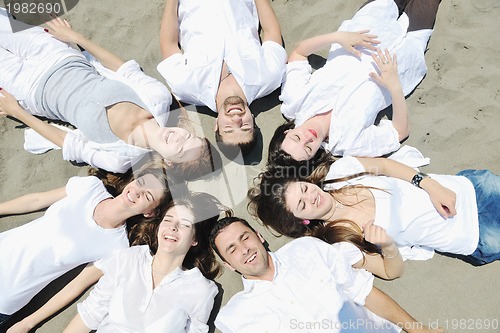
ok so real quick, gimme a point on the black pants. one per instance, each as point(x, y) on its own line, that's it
point(421, 13)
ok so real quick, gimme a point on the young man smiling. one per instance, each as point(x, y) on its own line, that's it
point(222, 61)
point(305, 285)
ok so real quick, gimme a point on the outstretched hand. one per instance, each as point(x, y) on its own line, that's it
point(376, 235)
point(349, 41)
point(61, 29)
point(9, 105)
point(388, 67)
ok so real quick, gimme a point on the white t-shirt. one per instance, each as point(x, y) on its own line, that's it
point(66, 236)
point(313, 287)
point(344, 86)
point(407, 213)
point(211, 32)
point(124, 299)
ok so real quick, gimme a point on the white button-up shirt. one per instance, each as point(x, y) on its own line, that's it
point(211, 32)
point(124, 299)
point(344, 86)
point(313, 289)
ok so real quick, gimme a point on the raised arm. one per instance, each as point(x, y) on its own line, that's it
point(388, 265)
point(10, 106)
point(389, 78)
point(169, 30)
point(32, 202)
point(442, 198)
point(87, 277)
point(348, 40)
point(61, 29)
point(268, 21)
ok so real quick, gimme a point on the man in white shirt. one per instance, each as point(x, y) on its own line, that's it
point(305, 286)
point(221, 62)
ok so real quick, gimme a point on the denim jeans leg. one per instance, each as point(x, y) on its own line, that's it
point(487, 186)
point(3, 319)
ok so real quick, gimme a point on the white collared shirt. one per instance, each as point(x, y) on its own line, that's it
point(211, 32)
point(344, 86)
point(124, 299)
point(313, 289)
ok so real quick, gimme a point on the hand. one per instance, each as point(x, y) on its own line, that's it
point(348, 40)
point(9, 105)
point(443, 199)
point(376, 235)
point(20, 327)
point(388, 66)
point(61, 29)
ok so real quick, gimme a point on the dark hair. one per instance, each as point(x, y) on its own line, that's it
point(220, 225)
point(279, 158)
point(206, 210)
point(267, 202)
point(231, 150)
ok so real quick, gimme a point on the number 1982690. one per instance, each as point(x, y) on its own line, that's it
point(34, 8)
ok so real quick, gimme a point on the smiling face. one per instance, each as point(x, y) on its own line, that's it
point(142, 195)
point(176, 233)
point(302, 142)
point(308, 201)
point(179, 145)
point(243, 250)
point(235, 122)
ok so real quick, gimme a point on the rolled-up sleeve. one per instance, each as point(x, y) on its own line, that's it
point(95, 307)
point(298, 74)
point(372, 141)
point(201, 315)
point(79, 149)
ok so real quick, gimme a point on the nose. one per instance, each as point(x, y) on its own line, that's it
point(237, 120)
point(174, 227)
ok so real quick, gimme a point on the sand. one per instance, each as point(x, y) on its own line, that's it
point(454, 116)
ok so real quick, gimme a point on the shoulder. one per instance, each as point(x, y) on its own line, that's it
point(194, 277)
point(81, 184)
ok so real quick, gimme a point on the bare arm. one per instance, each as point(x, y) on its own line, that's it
point(10, 106)
point(32, 202)
point(384, 306)
point(348, 40)
point(269, 22)
point(442, 198)
point(389, 265)
point(61, 29)
point(169, 30)
point(87, 277)
point(389, 78)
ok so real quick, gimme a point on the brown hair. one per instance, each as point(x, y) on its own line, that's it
point(267, 202)
point(206, 210)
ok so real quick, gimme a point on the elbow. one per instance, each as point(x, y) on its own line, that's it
point(394, 274)
point(403, 134)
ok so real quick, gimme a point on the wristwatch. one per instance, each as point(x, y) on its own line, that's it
point(418, 178)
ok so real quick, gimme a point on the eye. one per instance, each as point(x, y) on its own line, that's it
point(296, 137)
point(149, 196)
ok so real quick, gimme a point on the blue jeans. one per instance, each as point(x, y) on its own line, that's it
point(487, 186)
point(3, 318)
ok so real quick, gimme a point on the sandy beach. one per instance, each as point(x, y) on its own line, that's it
point(454, 115)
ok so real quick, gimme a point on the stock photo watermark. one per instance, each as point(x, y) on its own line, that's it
point(35, 12)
